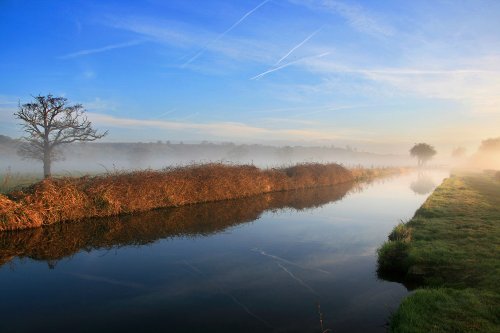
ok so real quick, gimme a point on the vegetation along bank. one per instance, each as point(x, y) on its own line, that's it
point(450, 250)
point(62, 199)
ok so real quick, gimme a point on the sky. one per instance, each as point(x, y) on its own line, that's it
point(375, 75)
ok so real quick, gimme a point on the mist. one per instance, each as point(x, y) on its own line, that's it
point(487, 157)
point(106, 157)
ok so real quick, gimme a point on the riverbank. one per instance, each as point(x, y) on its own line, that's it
point(64, 199)
point(450, 247)
point(55, 242)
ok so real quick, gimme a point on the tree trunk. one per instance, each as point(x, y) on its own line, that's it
point(46, 164)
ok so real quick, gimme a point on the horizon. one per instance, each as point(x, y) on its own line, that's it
point(378, 77)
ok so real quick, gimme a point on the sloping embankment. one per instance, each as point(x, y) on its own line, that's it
point(56, 200)
point(451, 248)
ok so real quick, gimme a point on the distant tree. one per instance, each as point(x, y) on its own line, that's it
point(490, 145)
point(4, 139)
point(422, 185)
point(238, 152)
point(423, 152)
point(458, 152)
point(488, 154)
point(50, 122)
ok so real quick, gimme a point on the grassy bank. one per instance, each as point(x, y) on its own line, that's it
point(56, 200)
point(451, 248)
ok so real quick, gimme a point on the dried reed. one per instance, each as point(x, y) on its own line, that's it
point(63, 199)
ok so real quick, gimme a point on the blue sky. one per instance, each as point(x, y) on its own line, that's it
point(377, 75)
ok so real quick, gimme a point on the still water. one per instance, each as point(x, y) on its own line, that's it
point(271, 263)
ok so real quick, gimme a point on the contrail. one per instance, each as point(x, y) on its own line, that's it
point(165, 113)
point(106, 280)
point(244, 307)
point(305, 285)
point(196, 270)
point(288, 64)
point(289, 262)
point(298, 45)
point(228, 294)
point(204, 48)
point(101, 49)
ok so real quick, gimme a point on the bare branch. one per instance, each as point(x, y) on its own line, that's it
point(49, 122)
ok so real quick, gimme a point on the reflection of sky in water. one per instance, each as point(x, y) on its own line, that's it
point(267, 275)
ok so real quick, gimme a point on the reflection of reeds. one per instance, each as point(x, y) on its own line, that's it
point(56, 200)
point(323, 330)
point(64, 239)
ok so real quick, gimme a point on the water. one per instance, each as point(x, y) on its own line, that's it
point(262, 264)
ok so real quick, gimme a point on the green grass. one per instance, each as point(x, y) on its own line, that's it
point(452, 242)
point(447, 310)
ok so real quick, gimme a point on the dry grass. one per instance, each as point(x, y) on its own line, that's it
point(61, 240)
point(366, 174)
point(56, 200)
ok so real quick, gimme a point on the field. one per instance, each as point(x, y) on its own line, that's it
point(10, 181)
point(451, 248)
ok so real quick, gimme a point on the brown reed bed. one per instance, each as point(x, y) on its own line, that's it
point(63, 199)
point(55, 242)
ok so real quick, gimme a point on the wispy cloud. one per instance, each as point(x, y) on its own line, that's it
point(204, 48)
point(164, 31)
point(261, 75)
point(297, 46)
point(106, 48)
point(99, 104)
point(8, 100)
point(474, 84)
point(357, 16)
point(221, 130)
point(181, 36)
point(360, 18)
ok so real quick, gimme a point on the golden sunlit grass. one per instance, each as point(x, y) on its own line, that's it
point(62, 199)
point(58, 241)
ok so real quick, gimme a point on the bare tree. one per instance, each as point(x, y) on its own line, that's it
point(50, 122)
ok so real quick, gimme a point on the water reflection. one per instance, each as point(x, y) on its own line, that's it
point(209, 268)
point(55, 242)
point(424, 184)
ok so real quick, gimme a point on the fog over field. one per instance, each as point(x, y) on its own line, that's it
point(103, 157)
